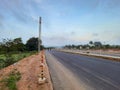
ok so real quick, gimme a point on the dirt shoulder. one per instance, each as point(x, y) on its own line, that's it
point(85, 52)
point(30, 69)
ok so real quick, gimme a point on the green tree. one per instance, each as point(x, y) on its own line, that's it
point(9, 45)
point(91, 42)
point(98, 45)
point(32, 44)
point(6, 45)
point(107, 46)
point(18, 45)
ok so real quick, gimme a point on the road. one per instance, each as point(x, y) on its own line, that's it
point(77, 72)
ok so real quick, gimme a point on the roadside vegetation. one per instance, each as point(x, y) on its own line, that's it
point(8, 59)
point(14, 50)
point(9, 82)
point(94, 46)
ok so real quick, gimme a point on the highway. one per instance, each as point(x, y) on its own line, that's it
point(77, 72)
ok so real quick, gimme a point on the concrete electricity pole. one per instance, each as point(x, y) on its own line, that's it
point(39, 39)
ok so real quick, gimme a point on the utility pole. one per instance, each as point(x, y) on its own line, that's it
point(39, 38)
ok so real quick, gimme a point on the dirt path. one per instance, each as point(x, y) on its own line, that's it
point(30, 69)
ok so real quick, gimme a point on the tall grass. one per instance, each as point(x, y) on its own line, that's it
point(10, 58)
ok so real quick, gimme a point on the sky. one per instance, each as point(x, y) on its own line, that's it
point(63, 21)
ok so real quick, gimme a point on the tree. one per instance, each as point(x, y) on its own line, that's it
point(97, 44)
point(6, 45)
point(91, 42)
point(18, 44)
point(9, 45)
point(32, 44)
point(107, 46)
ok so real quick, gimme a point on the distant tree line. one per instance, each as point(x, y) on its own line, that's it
point(17, 45)
point(93, 45)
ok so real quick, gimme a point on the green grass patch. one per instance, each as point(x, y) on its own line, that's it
point(11, 80)
point(2, 56)
point(10, 58)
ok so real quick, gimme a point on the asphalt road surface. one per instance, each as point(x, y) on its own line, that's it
point(77, 72)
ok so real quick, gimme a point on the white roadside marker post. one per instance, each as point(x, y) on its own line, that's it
point(42, 78)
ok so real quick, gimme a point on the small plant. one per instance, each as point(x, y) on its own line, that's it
point(1, 63)
point(9, 60)
point(24, 56)
point(11, 80)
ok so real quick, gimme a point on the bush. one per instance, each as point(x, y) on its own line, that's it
point(1, 63)
point(9, 60)
point(11, 80)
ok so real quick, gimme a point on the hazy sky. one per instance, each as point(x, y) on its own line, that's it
point(63, 21)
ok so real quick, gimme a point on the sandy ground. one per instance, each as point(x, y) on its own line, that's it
point(104, 51)
point(109, 51)
point(30, 69)
point(113, 55)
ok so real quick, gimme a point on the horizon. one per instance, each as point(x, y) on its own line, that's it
point(103, 43)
